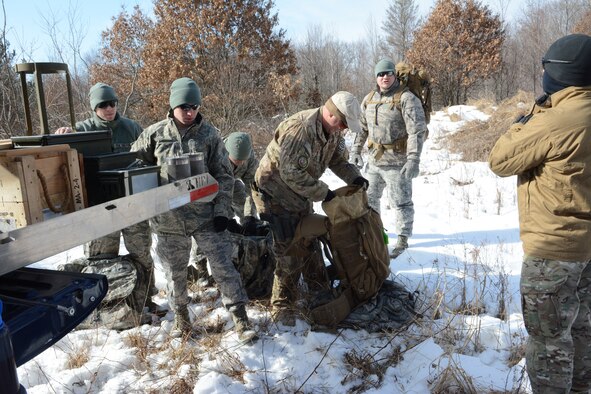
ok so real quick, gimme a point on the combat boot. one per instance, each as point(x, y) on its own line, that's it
point(182, 322)
point(284, 316)
point(242, 325)
point(401, 246)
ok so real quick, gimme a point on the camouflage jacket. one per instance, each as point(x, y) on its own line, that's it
point(125, 131)
point(401, 131)
point(551, 156)
point(245, 173)
point(156, 143)
point(297, 157)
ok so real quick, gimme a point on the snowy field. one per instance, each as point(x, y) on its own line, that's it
point(464, 260)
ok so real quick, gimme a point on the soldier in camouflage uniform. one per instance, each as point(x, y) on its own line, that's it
point(393, 123)
point(137, 238)
point(204, 222)
point(244, 164)
point(550, 152)
point(287, 183)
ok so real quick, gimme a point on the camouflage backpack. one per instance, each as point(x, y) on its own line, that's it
point(121, 273)
point(418, 82)
point(253, 258)
point(393, 308)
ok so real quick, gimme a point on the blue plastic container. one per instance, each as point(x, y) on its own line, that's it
point(8, 377)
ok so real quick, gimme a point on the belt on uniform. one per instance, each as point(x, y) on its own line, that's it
point(397, 146)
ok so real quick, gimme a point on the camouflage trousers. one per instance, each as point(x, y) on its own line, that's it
point(138, 241)
point(289, 269)
point(556, 302)
point(197, 260)
point(174, 250)
point(399, 190)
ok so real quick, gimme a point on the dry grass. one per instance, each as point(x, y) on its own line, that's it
point(475, 140)
point(453, 379)
point(212, 333)
point(78, 358)
point(517, 354)
point(230, 365)
point(182, 386)
point(184, 353)
point(142, 345)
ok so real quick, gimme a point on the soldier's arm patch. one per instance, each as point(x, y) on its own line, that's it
point(303, 162)
point(341, 147)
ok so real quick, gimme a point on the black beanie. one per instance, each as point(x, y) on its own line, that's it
point(568, 60)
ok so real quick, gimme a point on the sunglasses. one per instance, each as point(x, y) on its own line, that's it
point(106, 104)
point(384, 73)
point(188, 107)
point(555, 61)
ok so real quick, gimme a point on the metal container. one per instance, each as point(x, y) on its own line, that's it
point(196, 163)
point(89, 143)
point(178, 168)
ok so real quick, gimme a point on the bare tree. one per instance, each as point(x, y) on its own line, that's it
point(564, 14)
point(66, 31)
point(401, 22)
point(326, 65)
point(312, 68)
point(11, 113)
point(373, 41)
point(542, 24)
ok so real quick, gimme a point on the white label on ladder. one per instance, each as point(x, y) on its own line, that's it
point(179, 201)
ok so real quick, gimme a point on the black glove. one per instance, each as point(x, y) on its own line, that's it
point(220, 223)
point(329, 196)
point(249, 223)
point(234, 227)
point(361, 181)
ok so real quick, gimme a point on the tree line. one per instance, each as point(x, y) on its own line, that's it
point(252, 76)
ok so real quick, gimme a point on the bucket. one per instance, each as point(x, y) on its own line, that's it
point(178, 168)
point(196, 163)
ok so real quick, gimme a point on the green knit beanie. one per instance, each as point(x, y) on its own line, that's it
point(184, 91)
point(100, 93)
point(383, 66)
point(238, 145)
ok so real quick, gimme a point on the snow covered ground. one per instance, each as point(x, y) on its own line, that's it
point(464, 260)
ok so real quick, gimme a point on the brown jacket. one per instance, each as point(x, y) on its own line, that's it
point(551, 155)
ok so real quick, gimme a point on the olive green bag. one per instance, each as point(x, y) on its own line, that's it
point(355, 248)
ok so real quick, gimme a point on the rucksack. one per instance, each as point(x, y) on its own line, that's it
point(353, 235)
point(253, 258)
point(392, 308)
point(417, 80)
point(116, 311)
point(121, 273)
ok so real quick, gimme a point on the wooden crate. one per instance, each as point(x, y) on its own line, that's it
point(36, 179)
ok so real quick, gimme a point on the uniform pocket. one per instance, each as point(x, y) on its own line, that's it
point(541, 305)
